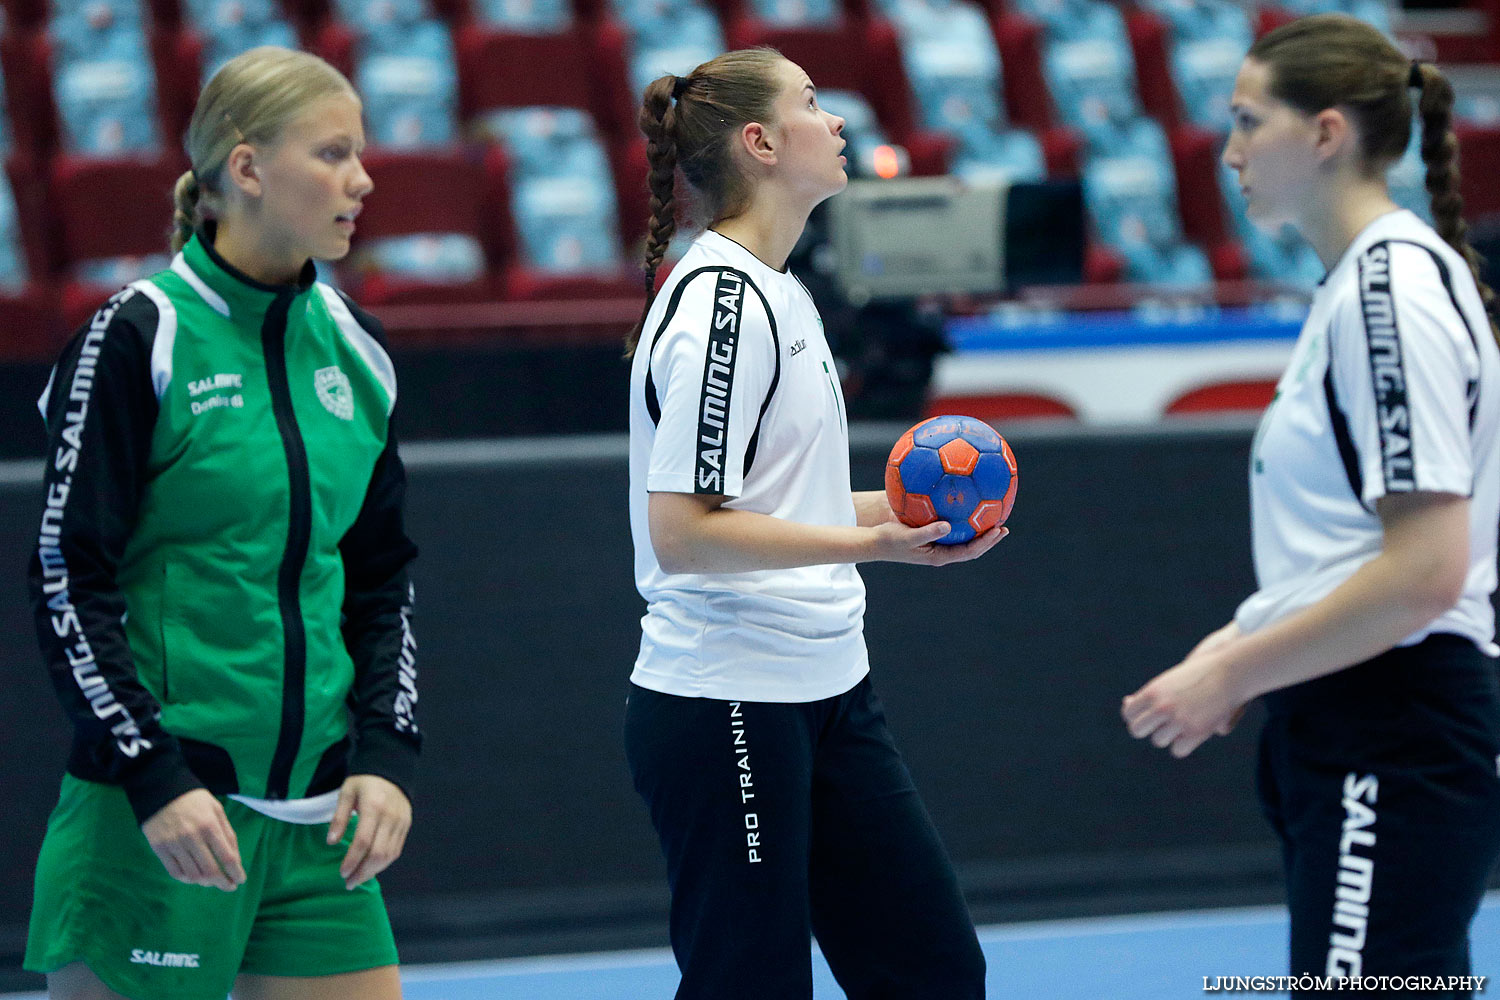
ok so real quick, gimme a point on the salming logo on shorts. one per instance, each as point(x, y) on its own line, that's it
point(1356, 877)
point(166, 959)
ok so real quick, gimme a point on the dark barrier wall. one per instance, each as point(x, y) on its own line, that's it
point(1002, 680)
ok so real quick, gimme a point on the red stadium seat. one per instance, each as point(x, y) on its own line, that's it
point(30, 192)
point(1479, 165)
point(1149, 45)
point(25, 15)
point(862, 57)
point(628, 159)
point(1028, 103)
point(178, 55)
point(28, 96)
point(427, 192)
point(1102, 265)
point(1253, 396)
point(31, 327)
point(1195, 156)
point(109, 208)
point(501, 69)
point(334, 42)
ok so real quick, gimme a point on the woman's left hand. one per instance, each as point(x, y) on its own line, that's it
point(384, 818)
point(1182, 707)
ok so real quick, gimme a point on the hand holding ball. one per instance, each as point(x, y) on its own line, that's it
point(954, 469)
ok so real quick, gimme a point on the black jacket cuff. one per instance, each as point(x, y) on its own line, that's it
point(387, 754)
point(158, 780)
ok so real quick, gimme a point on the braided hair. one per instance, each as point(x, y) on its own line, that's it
point(689, 122)
point(1333, 60)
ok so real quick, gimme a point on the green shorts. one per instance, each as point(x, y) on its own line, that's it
point(103, 897)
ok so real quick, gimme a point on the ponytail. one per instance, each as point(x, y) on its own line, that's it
point(658, 121)
point(688, 122)
point(1440, 153)
point(185, 216)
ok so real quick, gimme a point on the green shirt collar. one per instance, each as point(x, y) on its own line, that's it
point(223, 286)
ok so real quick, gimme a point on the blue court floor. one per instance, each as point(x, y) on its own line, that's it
point(1151, 957)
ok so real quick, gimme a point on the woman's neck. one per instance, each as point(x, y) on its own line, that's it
point(1336, 220)
point(242, 248)
point(767, 229)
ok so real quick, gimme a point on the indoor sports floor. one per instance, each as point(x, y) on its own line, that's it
point(1150, 957)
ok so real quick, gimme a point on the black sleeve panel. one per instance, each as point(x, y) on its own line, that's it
point(378, 598)
point(100, 411)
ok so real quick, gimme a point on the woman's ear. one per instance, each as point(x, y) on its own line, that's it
point(242, 169)
point(1334, 133)
point(759, 142)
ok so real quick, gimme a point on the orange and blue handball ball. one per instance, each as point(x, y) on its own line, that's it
point(954, 469)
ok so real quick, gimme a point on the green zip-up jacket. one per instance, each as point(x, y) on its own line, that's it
point(220, 580)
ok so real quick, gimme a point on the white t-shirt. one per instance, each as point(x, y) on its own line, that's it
point(1394, 386)
point(733, 391)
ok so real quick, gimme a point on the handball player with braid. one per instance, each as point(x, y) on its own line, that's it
point(1375, 498)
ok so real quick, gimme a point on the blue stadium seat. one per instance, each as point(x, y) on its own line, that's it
point(13, 271)
point(102, 78)
point(1072, 20)
point(953, 64)
point(1481, 108)
point(796, 13)
point(229, 27)
point(562, 190)
point(1131, 195)
point(382, 17)
point(409, 86)
point(117, 272)
point(1203, 71)
point(7, 138)
point(434, 258)
point(1201, 19)
point(83, 19)
point(1376, 12)
point(537, 17)
point(1092, 81)
point(668, 36)
point(1407, 178)
point(1209, 39)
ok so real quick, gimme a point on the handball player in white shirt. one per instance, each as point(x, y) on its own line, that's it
point(1375, 498)
point(783, 807)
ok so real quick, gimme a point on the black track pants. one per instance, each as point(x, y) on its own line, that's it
point(1382, 783)
point(781, 820)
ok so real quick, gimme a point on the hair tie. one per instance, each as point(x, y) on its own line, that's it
point(1414, 78)
point(679, 85)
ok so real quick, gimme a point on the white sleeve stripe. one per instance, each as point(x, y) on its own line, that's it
point(727, 308)
point(163, 344)
point(366, 346)
point(1447, 278)
point(186, 273)
point(1387, 375)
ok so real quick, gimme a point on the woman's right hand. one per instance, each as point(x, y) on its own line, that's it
point(895, 542)
point(193, 838)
